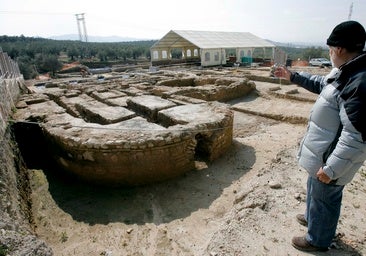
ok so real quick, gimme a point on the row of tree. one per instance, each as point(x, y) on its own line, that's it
point(39, 55)
point(306, 53)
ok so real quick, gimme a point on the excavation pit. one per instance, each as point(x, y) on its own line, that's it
point(144, 139)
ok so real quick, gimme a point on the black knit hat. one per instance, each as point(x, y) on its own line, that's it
point(349, 34)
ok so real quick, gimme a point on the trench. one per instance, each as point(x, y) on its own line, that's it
point(32, 144)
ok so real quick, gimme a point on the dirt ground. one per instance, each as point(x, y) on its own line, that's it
point(244, 203)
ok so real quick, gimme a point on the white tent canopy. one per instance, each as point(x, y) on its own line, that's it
point(207, 46)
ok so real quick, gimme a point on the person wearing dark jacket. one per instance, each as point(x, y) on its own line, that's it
point(334, 146)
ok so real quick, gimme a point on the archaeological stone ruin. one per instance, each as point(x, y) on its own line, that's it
point(129, 128)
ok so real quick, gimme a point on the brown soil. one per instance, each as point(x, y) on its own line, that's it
point(241, 204)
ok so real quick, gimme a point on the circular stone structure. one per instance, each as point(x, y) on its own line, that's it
point(122, 135)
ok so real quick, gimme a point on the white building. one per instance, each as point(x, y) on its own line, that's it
point(210, 48)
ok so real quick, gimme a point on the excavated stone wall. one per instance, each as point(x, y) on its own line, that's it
point(16, 236)
point(160, 145)
point(136, 131)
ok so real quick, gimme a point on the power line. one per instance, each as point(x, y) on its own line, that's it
point(34, 13)
point(350, 11)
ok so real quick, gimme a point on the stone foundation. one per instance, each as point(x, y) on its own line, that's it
point(126, 135)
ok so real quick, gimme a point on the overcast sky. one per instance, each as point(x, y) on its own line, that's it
point(277, 20)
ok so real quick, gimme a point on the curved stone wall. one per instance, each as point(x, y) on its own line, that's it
point(134, 151)
point(124, 135)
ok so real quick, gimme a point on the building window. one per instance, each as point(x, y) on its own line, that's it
point(242, 53)
point(217, 56)
point(195, 53)
point(189, 53)
point(207, 56)
point(155, 55)
point(164, 54)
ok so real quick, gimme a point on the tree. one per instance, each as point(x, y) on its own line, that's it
point(13, 53)
point(48, 63)
point(102, 55)
point(314, 53)
point(72, 53)
point(111, 54)
point(26, 67)
point(176, 53)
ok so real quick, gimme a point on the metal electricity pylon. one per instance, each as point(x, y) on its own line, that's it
point(83, 36)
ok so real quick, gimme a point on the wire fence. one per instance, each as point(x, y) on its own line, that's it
point(10, 84)
point(8, 67)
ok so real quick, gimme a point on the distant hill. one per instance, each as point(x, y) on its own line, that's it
point(298, 44)
point(97, 39)
point(113, 39)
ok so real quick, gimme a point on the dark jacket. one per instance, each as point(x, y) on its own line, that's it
point(336, 133)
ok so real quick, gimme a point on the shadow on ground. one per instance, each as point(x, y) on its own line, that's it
point(157, 203)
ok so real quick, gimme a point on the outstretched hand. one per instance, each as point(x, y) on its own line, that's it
point(282, 72)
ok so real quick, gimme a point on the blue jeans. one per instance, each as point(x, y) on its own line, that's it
point(323, 207)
